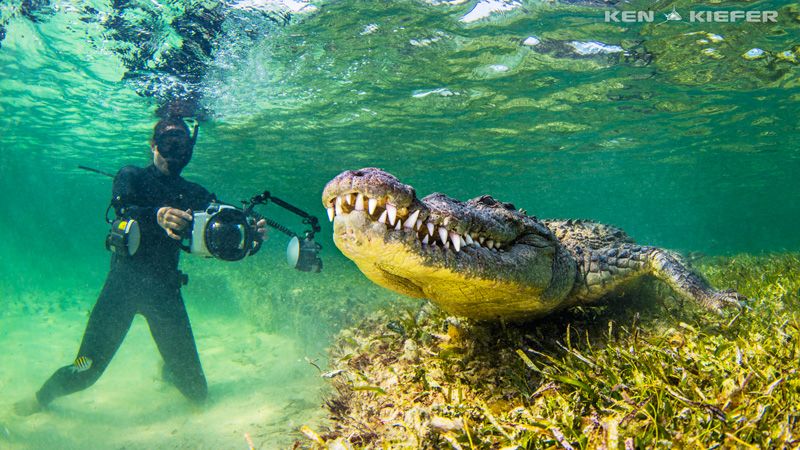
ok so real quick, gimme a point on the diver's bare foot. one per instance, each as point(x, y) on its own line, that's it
point(27, 407)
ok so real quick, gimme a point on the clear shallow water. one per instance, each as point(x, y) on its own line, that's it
point(685, 144)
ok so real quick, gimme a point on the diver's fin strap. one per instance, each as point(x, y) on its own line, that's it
point(82, 364)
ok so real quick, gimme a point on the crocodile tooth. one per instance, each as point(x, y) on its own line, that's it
point(371, 205)
point(382, 218)
point(339, 205)
point(418, 225)
point(412, 219)
point(481, 239)
point(398, 227)
point(360, 202)
point(392, 210)
point(468, 239)
point(330, 213)
point(490, 243)
point(456, 239)
point(430, 228)
point(446, 221)
point(443, 235)
point(425, 240)
point(473, 234)
point(446, 245)
point(348, 199)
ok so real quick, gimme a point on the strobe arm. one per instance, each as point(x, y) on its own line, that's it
point(265, 197)
point(277, 226)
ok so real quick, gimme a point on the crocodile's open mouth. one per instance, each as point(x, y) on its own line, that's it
point(435, 247)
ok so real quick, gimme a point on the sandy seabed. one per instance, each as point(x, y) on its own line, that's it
point(259, 383)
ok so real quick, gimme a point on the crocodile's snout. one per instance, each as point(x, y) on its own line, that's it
point(437, 220)
point(373, 187)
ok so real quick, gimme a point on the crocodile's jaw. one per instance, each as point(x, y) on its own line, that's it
point(395, 260)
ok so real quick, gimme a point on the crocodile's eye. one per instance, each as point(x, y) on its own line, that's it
point(487, 200)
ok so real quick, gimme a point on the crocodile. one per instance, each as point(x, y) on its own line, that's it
point(485, 259)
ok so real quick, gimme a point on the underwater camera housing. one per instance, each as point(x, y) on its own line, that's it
point(224, 232)
point(229, 233)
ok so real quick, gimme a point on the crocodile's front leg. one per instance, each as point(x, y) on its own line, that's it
point(603, 270)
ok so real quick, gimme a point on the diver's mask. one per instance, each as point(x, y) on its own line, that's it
point(176, 147)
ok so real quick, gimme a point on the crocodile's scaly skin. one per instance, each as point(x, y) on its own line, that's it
point(484, 258)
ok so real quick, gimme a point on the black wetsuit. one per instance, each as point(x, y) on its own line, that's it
point(147, 283)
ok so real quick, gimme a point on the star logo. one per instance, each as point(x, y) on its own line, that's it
point(673, 15)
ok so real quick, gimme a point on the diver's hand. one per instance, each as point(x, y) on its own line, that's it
point(261, 228)
point(173, 220)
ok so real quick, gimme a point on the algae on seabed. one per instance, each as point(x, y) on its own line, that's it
point(634, 373)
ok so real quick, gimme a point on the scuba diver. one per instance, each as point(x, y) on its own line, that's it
point(147, 282)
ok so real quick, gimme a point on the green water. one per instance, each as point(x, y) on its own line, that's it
point(684, 144)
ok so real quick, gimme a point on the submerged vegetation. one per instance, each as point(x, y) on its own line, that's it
point(310, 307)
point(634, 373)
